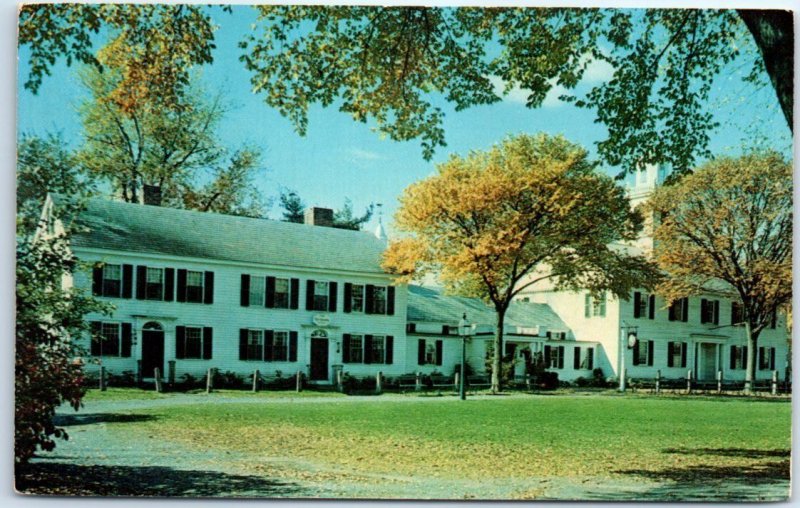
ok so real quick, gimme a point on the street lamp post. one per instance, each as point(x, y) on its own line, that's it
point(464, 331)
point(628, 339)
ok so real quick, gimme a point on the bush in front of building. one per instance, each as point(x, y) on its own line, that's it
point(229, 380)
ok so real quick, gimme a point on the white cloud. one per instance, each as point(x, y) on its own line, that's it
point(551, 100)
point(520, 95)
point(358, 153)
point(598, 70)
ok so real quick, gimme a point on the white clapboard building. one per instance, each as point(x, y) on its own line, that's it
point(701, 334)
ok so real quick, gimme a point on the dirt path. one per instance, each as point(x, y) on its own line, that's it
point(102, 458)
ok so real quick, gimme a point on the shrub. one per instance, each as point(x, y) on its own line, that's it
point(229, 379)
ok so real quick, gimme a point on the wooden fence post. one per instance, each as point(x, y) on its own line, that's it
point(719, 381)
point(774, 382)
point(157, 375)
point(455, 381)
point(418, 382)
point(255, 380)
point(339, 380)
point(209, 380)
point(658, 381)
point(102, 379)
point(528, 382)
point(689, 381)
point(378, 383)
point(299, 381)
point(171, 375)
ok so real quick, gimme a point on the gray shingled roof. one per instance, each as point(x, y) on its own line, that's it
point(148, 229)
point(432, 305)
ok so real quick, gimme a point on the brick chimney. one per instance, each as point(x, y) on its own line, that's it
point(152, 195)
point(316, 216)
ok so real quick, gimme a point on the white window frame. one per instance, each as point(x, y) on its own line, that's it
point(356, 339)
point(255, 339)
point(430, 351)
point(104, 339)
point(317, 285)
point(288, 293)
point(378, 339)
point(187, 338)
point(150, 274)
point(189, 273)
point(257, 291)
point(584, 364)
point(357, 294)
point(283, 335)
point(106, 269)
point(376, 291)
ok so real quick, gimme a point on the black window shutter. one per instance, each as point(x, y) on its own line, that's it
point(169, 283)
point(652, 307)
point(309, 294)
point(744, 356)
point(243, 343)
point(761, 358)
point(269, 338)
point(547, 357)
point(269, 293)
point(716, 312)
point(141, 282)
point(560, 357)
point(683, 354)
point(208, 342)
point(590, 355)
point(636, 352)
point(439, 351)
point(576, 358)
point(346, 348)
point(127, 281)
point(332, 292)
point(650, 352)
point(180, 334)
point(127, 340)
point(209, 288)
point(294, 299)
point(369, 292)
point(367, 348)
point(672, 311)
point(97, 280)
point(670, 349)
point(244, 295)
point(637, 298)
point(733, 357)
point(421, 346)
point(389, 348)
point(733, 313)
point(96, 327)
point(181, 292)
point(685, 308)
point(704, 311)
point(348, 295)
point(390, 300)
point(772, 358)
point(445, 330)
point(292, 346)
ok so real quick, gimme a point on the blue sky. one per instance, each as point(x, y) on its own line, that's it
point(340, 158)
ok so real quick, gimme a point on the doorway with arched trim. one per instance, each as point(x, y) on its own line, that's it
point(152, 348)
point(319, 356)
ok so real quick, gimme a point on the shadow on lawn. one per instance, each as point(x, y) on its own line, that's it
point(54, 479)
point(90, 418)
point(732, 452)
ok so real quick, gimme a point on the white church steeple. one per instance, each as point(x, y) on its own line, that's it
point(380, 232)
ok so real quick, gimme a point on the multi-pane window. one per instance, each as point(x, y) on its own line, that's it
point(257, 289)
point(193, 342)
point(430, 353)
point(112, 280)
point(679, 310)
point(766, 358)
point(583, 358)
point(594, 306)
point(357, 298)
point(320, 295)
point(644, 305)
point(737, 313)
point(377, 349)
point(255, 345)
point(556, 359)
point(154, 285)
point(281, 294)
point(356, 349)
point(109, 342)
point(709, 311)
point(676, 354)
point(280, 346)
point(643, 352)
point(194, 287)
point(379, 300)
point(738, 357)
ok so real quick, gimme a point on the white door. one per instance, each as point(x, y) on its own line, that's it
point(708, 362)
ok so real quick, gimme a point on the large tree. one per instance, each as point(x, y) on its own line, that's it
point(391, 65)
point(135, 140)
point(728, 227)
point(531, 210)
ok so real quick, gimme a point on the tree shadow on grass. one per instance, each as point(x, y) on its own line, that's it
point(90, 418)
point(732, 452)
point(54, 479)
point(766, 472)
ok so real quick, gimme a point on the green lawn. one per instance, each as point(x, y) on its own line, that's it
point(113, 394)
point(541, 436)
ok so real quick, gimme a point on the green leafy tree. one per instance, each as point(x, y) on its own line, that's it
point(531, 210)
point(48, 319)
point(45, 165)
point(344, 218)
point(293, 207)
point(391, 65)
point(728, 226)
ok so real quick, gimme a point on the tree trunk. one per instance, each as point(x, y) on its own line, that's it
point(773, 31)
point(497, 378)
point(750, 372)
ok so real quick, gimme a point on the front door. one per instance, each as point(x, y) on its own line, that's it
point(152, 352)
point(319, 359)
point(708, 362)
